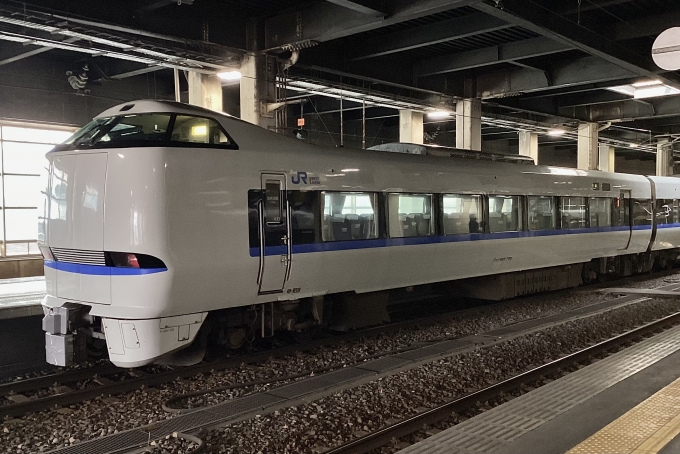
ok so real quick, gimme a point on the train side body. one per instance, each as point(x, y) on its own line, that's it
point(188, 208)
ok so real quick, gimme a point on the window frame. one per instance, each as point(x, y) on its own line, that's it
point(520, 213)
point(555, 212)
point(590, 211)
point(481, 213)
point(377, 208)
point(434, 217)
point(9, 247)
point(560, 208)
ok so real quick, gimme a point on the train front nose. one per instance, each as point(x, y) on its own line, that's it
point(74, 228)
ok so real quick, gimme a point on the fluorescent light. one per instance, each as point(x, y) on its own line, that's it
point(229, 75)
point(654, 91)
point(556, 132)
point(199, 130)
point(633, 145)
point(439, 114)
point(647, 83)
point(645, 89)
point(349, 170)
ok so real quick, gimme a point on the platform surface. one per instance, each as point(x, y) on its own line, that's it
point(21, 297)
point(565, 414)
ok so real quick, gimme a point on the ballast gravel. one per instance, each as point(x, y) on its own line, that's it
point(332, 420)
point(48, 430)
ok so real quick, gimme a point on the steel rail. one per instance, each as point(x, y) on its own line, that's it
point(154, 379)
point(408, 426)
point(158, 378)
point(70, 376)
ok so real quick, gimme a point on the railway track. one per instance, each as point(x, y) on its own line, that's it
point(234, 407)
point(24, 396)
point(17, 402)
point(384, 436)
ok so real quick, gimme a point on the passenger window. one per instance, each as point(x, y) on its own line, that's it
point(600, 212)
point(642, 213)
point(462, 214)
point(410, 215)
point(304, 222)
point(198, 130)
point(573, 212)
point(504, 213)
point(349, 216)
point(664, 211)
point(542, 214)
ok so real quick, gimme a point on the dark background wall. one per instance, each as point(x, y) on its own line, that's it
point(36, 89)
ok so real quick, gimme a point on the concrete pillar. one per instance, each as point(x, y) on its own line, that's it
point(410, 126)
point(205, 91)
point(587, 147)
point(469, 124)
point(528, 145)
point(664, 158)
point(258, 90)
point(605, 161)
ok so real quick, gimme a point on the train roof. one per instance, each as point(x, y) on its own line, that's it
point(421, 157)
point(159, 105)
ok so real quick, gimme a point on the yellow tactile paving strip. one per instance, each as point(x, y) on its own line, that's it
point(645, 429)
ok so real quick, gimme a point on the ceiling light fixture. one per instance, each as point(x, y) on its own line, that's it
point(647, 83)
point(556, 132)
point(229, 75)
point(439, 114)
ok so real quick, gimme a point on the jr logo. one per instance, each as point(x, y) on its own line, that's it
point(300, 177)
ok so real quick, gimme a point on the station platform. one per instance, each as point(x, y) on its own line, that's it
point(21, 335)
point(627, 403)
point(21, 297)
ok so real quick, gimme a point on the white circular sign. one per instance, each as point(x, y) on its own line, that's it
point(666, 49)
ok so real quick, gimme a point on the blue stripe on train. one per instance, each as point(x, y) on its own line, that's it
point(97, 270)
point(389, 242)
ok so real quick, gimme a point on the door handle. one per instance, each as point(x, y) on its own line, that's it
point(284, 239)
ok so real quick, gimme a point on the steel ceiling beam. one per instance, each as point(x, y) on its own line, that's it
point(31, 53)
point(651, 25)
point(629, 110)
point(137, 72)
point(593, 5)
point(367, 7)
point(428, 35)
point(325, 21)
point(533, 16)
point(582, 71)
point(518, 50)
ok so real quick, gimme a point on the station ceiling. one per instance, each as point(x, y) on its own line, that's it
point(541, 61)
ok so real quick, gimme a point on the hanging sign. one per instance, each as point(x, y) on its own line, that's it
point(301, 122)
point(666, 50)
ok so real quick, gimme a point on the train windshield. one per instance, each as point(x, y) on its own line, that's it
point(148, 130)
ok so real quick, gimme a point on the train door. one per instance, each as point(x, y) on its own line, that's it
point(274, 234)
point(625, 214)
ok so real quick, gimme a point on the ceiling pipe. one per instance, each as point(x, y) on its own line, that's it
point(604, 126)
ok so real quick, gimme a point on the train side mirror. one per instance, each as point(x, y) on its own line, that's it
point(301, 134)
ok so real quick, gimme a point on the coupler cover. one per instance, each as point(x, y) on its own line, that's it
point(59, 349)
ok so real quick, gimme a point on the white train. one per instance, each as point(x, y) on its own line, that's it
point(167, 224)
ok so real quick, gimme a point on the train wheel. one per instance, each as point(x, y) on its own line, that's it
point(589, 273)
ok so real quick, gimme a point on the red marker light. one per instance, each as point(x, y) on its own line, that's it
point(132, 261)
point(124, 260)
